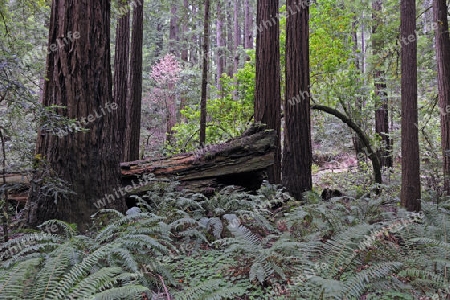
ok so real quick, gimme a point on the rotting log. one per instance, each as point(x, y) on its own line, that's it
point(241, 161)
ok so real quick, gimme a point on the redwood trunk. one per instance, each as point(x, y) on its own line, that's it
point(173, 31)
point(268, 97)
point(382, 108)
point(79, 78)
point(135, 86)
point(237, 35)
point(440, 11)
point(411, 190)
point(204, 76)
point(248, 25)
point(297, 152)
point(220, 44)
point(121, 63)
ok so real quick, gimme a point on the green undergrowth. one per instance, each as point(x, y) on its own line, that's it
point(236, 245)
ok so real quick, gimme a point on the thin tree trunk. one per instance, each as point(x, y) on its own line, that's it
point(220, 44)
point(159, 43)
point(173, 31)
point(230, 39)
point(79, 78)
point(410, 190)
point(248, 25)
point(268, 97)
point(297, 152)
point(195, 38)
point(134, 99)
point(121, 61)
point(237, 35)
point(184, 57)
point(185, 48)
point(204, 76)
point(381, 97)
point(440, 11)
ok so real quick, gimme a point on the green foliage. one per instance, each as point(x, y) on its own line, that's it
point(69, 266)
point(262, 246)
point(229, 113)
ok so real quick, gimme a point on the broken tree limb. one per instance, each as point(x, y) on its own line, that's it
point(364, 138)
point(240, 161)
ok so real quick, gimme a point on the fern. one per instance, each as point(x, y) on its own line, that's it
point(15, 283)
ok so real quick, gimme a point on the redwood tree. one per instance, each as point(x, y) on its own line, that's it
point(248, 25)
point(382, 108)
point(134, 98)
point(268, 97)
point(121, 63)
point(442, 39)
point(79, 78)
point(204, 75)
point(297, 152)
point(410, 191)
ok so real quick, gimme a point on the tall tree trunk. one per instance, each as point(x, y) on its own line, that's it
point(184, 52)
point(220, 44)
point(248, 25)
point(440, 11)
point(171, 117)
point(159, 43)
point(204, 76)
point(184, 56)
point(134, 99)
point(237, 34)
point(121, 62)
point(268, 97)
point(79, 78)
point(297, 152)
point(173, 31)
point(381, 97)
point(411, 190)
point(195, 38)
point(230, 39)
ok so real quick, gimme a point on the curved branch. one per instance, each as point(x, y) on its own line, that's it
point(363, 137)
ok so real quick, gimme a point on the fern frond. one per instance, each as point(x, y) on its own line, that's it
point(103, 278)
point(123, 292)
point(56, 265)
point(80, 271)
point(15, 283)
point(414, 274)
point(356, 286)
point(200, 291)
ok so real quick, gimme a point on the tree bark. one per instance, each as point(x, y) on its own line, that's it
point(297, 151)
point(185, 48)
point(268, 97)
point(204, 76)
point(240, 161)
point(134, 99)
point(237, 35)
point(220, 44)
point(381, 97)
point(371, 153)
point(121, 63)
point(248, 25)
point(410, 190)
point(442, 39)
point(173, 31)
point(79, 78)
point(230, 39)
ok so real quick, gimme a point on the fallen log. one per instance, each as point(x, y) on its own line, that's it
point(241, 161)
